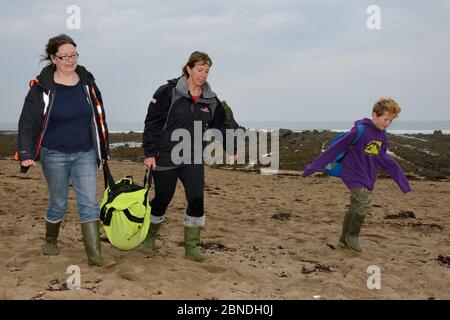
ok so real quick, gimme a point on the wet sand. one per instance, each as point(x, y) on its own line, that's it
point(268, 237)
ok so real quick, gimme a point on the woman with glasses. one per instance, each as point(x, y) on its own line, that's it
point(62, 124)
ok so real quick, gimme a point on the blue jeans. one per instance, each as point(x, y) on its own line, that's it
point(81, 168)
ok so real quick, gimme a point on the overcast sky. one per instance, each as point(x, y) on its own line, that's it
point(286, 60)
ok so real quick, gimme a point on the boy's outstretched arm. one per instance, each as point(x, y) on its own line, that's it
point(394, 170)
point(331, 153)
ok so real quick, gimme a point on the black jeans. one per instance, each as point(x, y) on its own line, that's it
point(193, 178)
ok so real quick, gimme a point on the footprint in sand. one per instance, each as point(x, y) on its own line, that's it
point(374, 235)
point(127, 275)
point(32, 252)
point(214, 269)
point(283, 216)
point(9, 190)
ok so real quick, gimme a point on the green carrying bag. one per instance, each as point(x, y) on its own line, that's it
point(125, 210)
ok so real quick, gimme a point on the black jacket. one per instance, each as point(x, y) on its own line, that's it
point(38, 107)
point(171, 108)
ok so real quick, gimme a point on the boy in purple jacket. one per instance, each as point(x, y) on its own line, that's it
point(360, 166)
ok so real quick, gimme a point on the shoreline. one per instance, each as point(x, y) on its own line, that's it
point(390, 131)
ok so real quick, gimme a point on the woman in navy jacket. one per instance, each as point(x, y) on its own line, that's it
point(62, 124)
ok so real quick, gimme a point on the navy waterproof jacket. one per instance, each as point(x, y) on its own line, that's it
point(38, 107)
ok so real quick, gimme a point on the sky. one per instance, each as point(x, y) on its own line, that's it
point(273, 60)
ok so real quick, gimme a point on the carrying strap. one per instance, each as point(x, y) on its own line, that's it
point(109, 180)
point(148, 178)
point(107, 177)
point(359, 134)
point(341, 155)
point(107, 216)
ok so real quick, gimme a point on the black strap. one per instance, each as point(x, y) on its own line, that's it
point(132, 218)
point(108, 217)
point(103, 213)
point(109, 214)
point(145, 202)
point(109, 180)
point(107, 177)
point(148, 177)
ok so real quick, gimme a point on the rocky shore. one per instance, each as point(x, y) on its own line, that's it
point(422, 156)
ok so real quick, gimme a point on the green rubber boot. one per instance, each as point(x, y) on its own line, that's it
point(91, 238)
point(345, 225)
point(149, 242)
point(351, 239)
point(51, 238)
point(191, 240)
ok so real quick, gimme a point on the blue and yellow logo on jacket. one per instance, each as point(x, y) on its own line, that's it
point(373, 147)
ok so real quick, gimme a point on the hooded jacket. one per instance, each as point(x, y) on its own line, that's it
point(172, 108)
point(38, 107)
point(360, 164)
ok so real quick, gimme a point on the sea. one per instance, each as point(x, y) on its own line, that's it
point(398, 126)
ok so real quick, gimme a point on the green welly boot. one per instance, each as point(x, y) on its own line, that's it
point(191, 240)
point(347, 219)
point(51, 238)
point(351, 239)
point(91, 238)
point(149, 242)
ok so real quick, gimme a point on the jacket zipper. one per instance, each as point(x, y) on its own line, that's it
point(47, 117)
point(99, 152)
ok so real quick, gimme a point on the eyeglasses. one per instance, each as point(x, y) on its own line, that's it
point(67, 58)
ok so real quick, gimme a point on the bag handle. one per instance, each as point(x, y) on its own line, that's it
point(109, 180)
point(148, 177)
point(107, 177)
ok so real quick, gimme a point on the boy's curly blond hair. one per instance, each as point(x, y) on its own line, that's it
point(386, 104)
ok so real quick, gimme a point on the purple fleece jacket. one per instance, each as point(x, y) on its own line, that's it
point(360, 164)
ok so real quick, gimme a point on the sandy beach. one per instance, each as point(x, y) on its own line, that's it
point(268, 237)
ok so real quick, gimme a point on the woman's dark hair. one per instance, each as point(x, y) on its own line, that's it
point(195, 57)
point(53, 45)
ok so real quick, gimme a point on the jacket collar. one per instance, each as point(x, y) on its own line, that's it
point(183, 87)
point(46, 76)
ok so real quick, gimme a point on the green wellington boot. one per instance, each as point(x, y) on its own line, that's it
point(191, 240)
point(91, 238)
point(149, 242)
point(351, 239)
point(345, 225)
point(51, 238)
